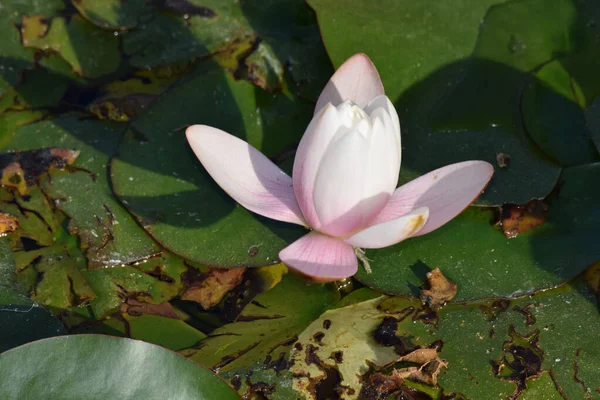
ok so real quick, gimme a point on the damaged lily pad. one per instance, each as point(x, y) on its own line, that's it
point(490, 349)
point(108, 234)
point(114, 368)
point(90, 51)
point(115, 14)
point(22, 319)
point(265, 330)
point(161, 182)
point(340, 347)
point(284, 33)
point(484, 263)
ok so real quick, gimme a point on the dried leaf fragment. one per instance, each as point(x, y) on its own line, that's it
point(440, 291)
point(209, 291)
point(21, 169)
point(520, 219)
point(136, 308)
point(8, 223)
point(503, 160)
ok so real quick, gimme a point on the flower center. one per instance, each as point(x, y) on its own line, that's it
point(353, 117)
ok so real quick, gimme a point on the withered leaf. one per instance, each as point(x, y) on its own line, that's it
point(440, 291)
point(520, 219)
point(22, 169)
point(8, 223)
point(209, 291)
point(136, 308)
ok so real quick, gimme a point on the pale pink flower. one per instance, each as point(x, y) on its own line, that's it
point(343, 185)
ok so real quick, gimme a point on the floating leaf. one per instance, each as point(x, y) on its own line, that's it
point(420, 85)
point(592, 116)
point(265, 330)
point(187, 212)
point(557, 126)
point(155, 281)
point(483, 263)
point(108, 234)
point(100, 367)
point(90, 51)
point(395, 29)
point(285, 33)
point(24, 321)
point(114, 14)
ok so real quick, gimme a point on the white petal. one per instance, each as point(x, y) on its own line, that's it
point(245, 174)
point(311, 149)
point(390, 232)
point(383, 103)
point(356, 79)
point(383, 166)
point(339, 194)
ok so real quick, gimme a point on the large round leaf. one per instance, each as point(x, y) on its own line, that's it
point(103, 367)
point(484, 263)
point(162, 183)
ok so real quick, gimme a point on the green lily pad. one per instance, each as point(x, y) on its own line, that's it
point(171, 333)
point(592, 117)
point(101, 367)
point(155, 281)
point(115, 14)
point(194, 29)
point(484, 263)
point(557, 125)
point(24, 321)
point(8, 277)
point(14, 58)
point(526, 174)
point(265, 330)
point(542, 387)
point(10, 121)
point(108, 233)
point(407, 40)
point(187, 212)
point(423, 77)
point(91, 51)
point(515, 38)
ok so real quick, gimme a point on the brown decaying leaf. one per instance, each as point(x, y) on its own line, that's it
point(136, 308)
point(20, 170)
point(520, 219)
point(209, 291)
point(8, 223)
point(440, 291)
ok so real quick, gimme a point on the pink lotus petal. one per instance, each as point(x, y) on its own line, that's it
point(321, 257)
point(245, 174)
point(390, 232)
point(447, 191)
point(383, 103)
point(356, 79)
point(313, 145)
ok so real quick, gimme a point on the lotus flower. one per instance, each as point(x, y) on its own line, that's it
point(343, 185)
